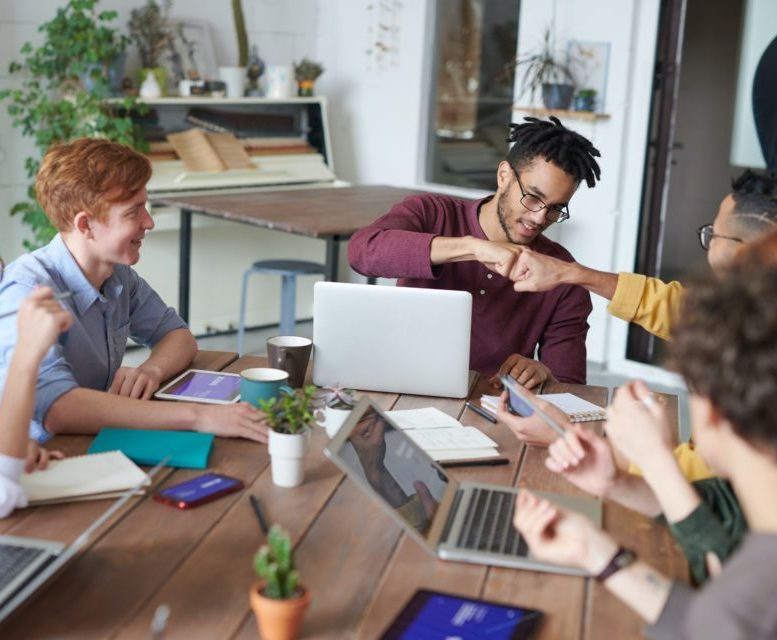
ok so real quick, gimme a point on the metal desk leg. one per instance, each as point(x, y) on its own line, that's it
point(184, 263)
point(332, 258)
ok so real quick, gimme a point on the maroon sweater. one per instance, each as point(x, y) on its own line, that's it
point(504, 322)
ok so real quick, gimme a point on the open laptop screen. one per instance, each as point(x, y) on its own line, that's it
point(396, 469)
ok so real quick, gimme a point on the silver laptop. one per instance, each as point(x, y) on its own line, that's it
point(26, 564)
point(394, 339)
point(466, 521)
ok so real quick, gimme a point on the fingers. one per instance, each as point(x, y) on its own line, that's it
point(508, 364)
point(118, 380)
point(428, 503)
point(31, 459)
point(43, 458)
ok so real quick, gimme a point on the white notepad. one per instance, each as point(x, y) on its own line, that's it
point(425, 418)
point(577, 409)
point(450, 438)
point(89, 477)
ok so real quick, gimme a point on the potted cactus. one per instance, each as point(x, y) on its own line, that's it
point(335, 404)
point(290, 416)
point(278, 600)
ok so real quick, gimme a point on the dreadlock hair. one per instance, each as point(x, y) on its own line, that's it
point(755, 201)
point(551, 140)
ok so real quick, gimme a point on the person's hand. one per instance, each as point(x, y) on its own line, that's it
point(585, 459)
point(136, 382)
point(527, 372)
point(559, 536)
point(537, 272)
point(500, 257)
point(637, 425)
point(41, 319)
point(240, 420)
point(369, 442)
point(38, 457)
point(532, 430)
point(425, 497)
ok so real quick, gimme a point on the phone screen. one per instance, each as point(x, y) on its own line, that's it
point(432, 614)
point(516, 403)
point(199, 490)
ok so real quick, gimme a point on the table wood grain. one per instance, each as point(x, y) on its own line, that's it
point(356, 561)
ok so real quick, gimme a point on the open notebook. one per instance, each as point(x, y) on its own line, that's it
point(577, 409)
point(89, 477)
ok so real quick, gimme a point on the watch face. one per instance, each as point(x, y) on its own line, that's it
point(625, 558)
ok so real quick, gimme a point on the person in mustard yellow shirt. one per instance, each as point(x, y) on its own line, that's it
point(744, 214)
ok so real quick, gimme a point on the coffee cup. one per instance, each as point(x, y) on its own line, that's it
point(290, 354)
point(262, 383)
point(331, 419)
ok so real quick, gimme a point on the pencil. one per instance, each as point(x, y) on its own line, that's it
point(59, 296)
point(481, 412)
point(259, 514)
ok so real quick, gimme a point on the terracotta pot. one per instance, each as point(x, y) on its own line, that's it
point(278, 619)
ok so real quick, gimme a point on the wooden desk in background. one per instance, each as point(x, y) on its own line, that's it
point(356, 561)
point(331, 214)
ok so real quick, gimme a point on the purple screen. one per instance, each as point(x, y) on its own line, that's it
point(199, 487)
point(210, 386)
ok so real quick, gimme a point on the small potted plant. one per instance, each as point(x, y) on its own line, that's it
point(306, 73)
point(547, 69)
point(278, 600)
point(585, 100)
point(334, 406)
point(290, 416)
point(151, 34)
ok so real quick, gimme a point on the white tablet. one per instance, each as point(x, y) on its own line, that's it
point(197, 385)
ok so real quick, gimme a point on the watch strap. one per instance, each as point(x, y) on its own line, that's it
point(623, 558)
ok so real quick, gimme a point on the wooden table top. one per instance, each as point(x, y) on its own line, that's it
point(319, 213)
point(356, 561)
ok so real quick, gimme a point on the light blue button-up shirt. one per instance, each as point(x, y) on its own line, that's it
point(89, 354)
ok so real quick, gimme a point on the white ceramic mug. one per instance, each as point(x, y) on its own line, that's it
point(279, 79)
point(331, 419)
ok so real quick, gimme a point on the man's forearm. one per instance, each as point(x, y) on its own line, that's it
point(444, 249)
point(602, 283)
point(172, 353)
point(86, 411)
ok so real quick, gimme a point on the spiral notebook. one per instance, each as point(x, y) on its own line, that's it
point(89, 477)
point(577, 409)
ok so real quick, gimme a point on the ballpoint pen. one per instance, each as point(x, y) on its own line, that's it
point(481, 412)
point(259, 514)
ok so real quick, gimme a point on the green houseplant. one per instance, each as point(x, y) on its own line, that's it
point(150, 31)
point(585, 100)
point(53, 102)
point(546, 68)
point(290, 416)
point(306, 73)
point(278, 600)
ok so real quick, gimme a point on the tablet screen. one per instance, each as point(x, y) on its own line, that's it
point(430, 615)
point(203, 386)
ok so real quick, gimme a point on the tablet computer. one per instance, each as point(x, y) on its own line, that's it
point(197, 385)
point(432, 614)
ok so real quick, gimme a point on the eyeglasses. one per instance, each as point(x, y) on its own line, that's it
point(706, 234)
point(533, 203)
point(2, 269)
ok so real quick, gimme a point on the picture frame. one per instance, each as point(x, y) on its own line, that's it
point(190, 51)
point(589, 62)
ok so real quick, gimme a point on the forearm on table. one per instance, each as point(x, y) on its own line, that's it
point(172, 353)
point(642, 588)
point(677, 497)
point(86, 411)
point(602, 283)
point(17, 405)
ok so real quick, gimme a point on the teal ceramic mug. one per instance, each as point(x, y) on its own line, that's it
point(262, 383)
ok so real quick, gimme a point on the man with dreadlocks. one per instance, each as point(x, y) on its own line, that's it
point(441, 242)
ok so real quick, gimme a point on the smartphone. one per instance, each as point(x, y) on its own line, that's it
point(199, 490)
point(521, 404)
point(433, 614)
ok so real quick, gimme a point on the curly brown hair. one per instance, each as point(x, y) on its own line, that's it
point(725, 346)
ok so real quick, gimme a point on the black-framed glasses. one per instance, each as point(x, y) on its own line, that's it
point(706, 234)
point(2, 269)
point(533, 203)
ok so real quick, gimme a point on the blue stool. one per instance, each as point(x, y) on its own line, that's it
point(288, 270)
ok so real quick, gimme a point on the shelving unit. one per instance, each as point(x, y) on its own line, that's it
point(562, 113)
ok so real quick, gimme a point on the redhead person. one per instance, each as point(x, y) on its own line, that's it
point(94, 193)
point(724, 346)
point(40, 320)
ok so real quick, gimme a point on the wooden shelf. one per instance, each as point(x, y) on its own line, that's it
point(562, 113)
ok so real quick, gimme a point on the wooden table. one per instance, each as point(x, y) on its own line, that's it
point(332, 214)
point(355, 560)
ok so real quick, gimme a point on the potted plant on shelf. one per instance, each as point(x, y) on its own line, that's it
point(150, 32)
point(547, 69)
point(278, 600)
point(290, 416)
point(306, 73)
point(50, 104)
point(335, 404)
point(585, 100)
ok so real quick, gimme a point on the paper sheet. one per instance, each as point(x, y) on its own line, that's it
point(451, 438)
point(426, 418)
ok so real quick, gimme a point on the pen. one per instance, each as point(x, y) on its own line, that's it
point(259, 514)
point(481, 412)
point(59, 296)
point(475, 462)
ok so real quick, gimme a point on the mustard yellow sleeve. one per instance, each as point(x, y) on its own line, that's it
point(648, 302)
point(690, 463)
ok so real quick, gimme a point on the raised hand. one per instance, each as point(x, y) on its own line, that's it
point(585, 459)
point(41, 319)
point(537, 272)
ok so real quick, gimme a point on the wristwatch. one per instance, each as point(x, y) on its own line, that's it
point(623, 558)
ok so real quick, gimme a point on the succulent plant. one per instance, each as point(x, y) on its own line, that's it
point(274, 562)
point(336, 397)
point(307, 70)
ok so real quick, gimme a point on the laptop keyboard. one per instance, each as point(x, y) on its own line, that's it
point(14, 559)
point(488, 524)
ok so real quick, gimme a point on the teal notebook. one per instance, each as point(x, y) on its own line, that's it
point(185, 448)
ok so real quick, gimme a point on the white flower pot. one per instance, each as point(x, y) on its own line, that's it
point(287, 458)
point(331, 419)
